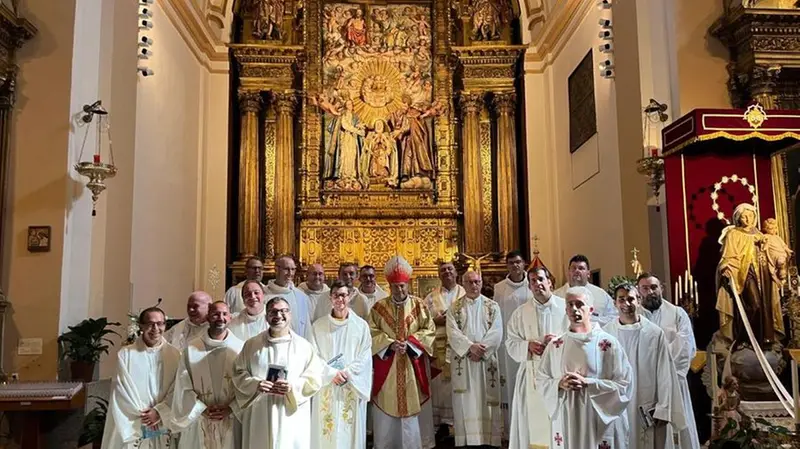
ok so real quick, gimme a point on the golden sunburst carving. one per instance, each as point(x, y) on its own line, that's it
point(376, 91)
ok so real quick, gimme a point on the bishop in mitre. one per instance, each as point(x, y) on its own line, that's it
point(402, 344)
point(438, 301)
point(474, 333)
point(203, 405)
point(677, 327)
point(531, 328)
point(194, 325)
point(368, 286)
point(283, 286)
point(339, 411)
point(314, 286)
point(348, 272)
point(585, 380)
point(655, 411)
point(254, 271)
point(252, 320)
point(274, 377)
point(510, 293)
point(141, 395)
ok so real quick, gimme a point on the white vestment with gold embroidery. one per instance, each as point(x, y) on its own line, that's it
point(476, 385)
point(339, 412)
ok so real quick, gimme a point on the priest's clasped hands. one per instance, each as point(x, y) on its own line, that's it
point(537, 347)
point(341, 378)
point(476, 352)
point(279, 387)
point(150, 418)
point(399, 347)
point(572, 381)
point(217, 412)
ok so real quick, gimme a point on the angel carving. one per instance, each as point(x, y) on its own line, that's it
point(488, 18)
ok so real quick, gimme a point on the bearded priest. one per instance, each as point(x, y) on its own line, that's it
point(275, 376)
point(203, 403)
point(402, 344)
point(340, 408)
point(656, 407)
point(474, 333)
point(586, 382)
point(141, 394)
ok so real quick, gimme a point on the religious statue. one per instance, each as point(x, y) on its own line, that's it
point(381, 150)
point(343, 162)
point(414, 135)
point(744, 266)
point(356, 28)
point(267, 19)
point(727, 406)
point(488, 17)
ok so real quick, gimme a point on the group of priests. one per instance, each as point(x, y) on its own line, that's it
point(280, 366)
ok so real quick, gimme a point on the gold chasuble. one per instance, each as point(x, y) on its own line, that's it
point(401, 382)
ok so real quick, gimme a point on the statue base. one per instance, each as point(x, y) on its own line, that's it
point(744, 365)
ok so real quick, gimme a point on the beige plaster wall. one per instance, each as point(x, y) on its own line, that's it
point(576, 203)
point(702, 59)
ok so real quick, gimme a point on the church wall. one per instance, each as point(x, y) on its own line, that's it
point(586, 184)
point(165, 199)
point(702, 59)
point(39, 184)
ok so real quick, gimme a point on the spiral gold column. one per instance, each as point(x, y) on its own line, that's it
point(471, 106)
point(507, 202)
point(249, 212)
point(285, 104)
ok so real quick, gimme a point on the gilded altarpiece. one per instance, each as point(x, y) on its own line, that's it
point(352, 127)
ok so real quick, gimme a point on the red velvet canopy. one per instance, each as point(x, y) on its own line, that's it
point(715, 159)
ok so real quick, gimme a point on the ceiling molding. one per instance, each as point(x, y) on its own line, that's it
point(559, 26)
point(193, 27)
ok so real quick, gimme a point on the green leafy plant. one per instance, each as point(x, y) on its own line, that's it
point(94, 423)
point(87, 340)
point(747, 435)
point(618, 280)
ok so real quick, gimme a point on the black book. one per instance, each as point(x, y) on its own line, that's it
point(276, 372)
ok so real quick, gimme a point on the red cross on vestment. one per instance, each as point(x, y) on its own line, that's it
point(604, 445)
point(558, 439)
point(558, 343)
point(604, 345)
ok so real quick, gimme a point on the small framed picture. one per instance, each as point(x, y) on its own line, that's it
point(38, 239)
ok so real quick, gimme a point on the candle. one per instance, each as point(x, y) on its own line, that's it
point(696, 298)
point(97, 158)
point(680, 288)
point(653, 152)
point(675, 292)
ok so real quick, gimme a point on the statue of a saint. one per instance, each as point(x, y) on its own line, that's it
point(488, 17)
point(745, 266)
point(414, 133)
point(381, 150)
point(268, 19)
point(343, 155)
point(356, 28)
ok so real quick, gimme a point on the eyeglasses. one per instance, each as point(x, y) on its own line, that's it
point(153, 324)
point(274, 312)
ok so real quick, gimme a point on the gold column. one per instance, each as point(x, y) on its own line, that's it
point(285, 104)
point(249, 107)
point(471, 106)
point(507, 203)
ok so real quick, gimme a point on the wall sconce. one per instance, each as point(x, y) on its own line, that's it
point(652, 165)
point(96, 170)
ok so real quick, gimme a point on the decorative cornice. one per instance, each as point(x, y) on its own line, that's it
point(209, 50)
point(558, 27)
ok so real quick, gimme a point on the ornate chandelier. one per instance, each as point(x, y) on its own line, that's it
point(96, 170)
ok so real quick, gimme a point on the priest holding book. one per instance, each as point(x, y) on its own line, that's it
point(339, 411)
point(275, 376)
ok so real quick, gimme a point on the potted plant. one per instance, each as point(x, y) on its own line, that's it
point(757, 433)
point(84, 343)
point(94, 423)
